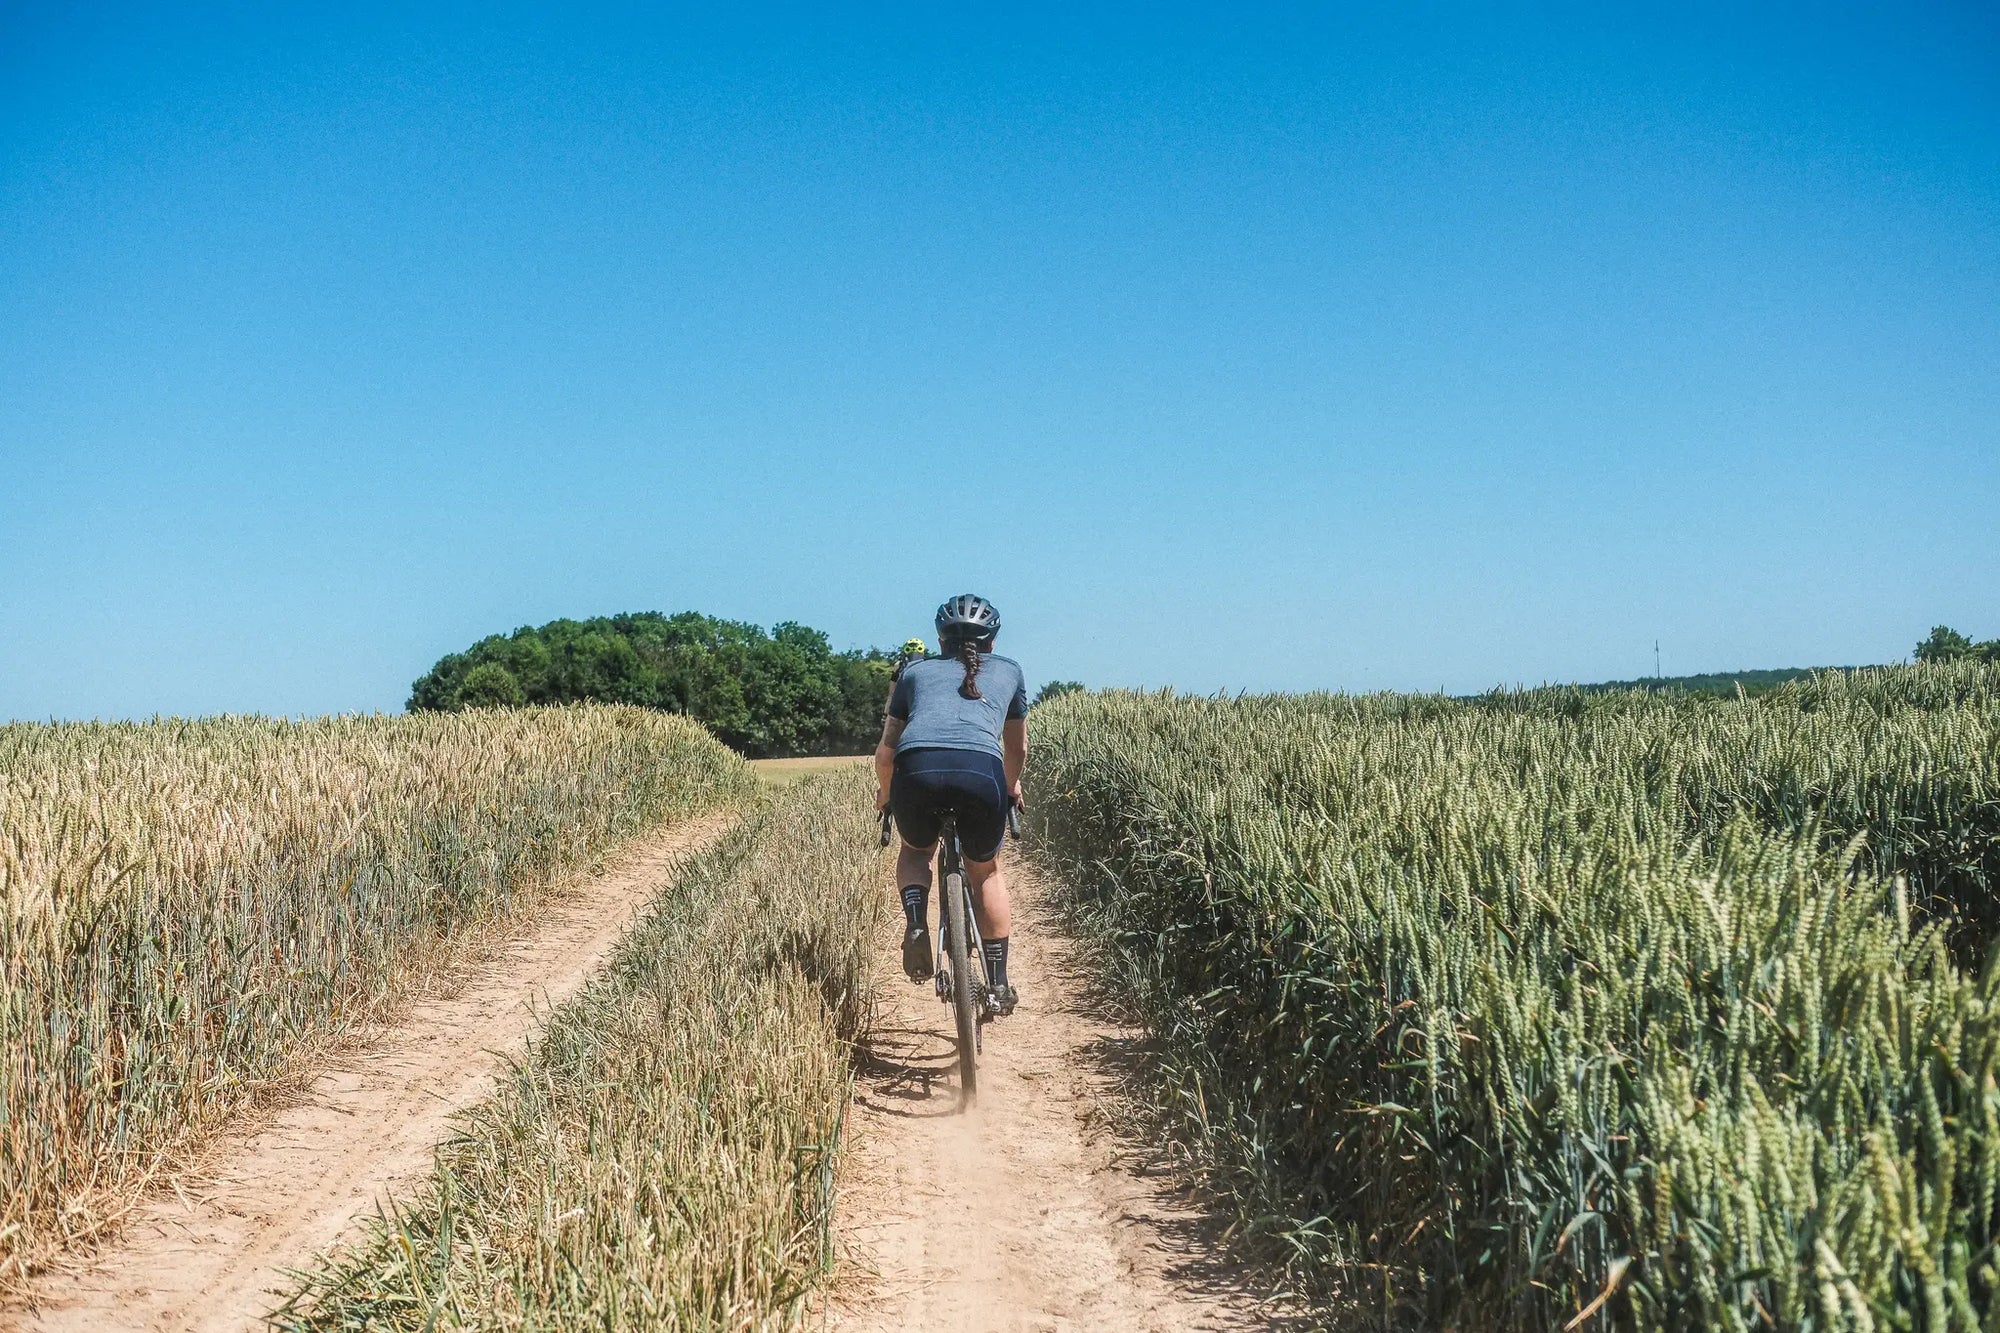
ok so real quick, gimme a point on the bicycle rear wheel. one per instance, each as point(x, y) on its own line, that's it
point(957, 937)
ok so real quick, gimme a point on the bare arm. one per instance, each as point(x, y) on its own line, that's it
point(1014, 744)
point(885, 759)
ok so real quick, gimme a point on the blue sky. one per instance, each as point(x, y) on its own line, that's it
point(1384, 347)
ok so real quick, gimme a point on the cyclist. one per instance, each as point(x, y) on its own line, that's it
point(913, 650)
point(954, 743)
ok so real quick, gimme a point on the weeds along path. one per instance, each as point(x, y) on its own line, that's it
point(273, 1193)
point(1021, 1214)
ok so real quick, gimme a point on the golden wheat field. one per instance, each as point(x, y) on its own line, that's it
point(188, 907)
point(664, 1156)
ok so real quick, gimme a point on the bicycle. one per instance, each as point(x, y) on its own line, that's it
point(960, 950)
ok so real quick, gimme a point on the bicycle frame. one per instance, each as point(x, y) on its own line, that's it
point(951, 861)
point(969, 995)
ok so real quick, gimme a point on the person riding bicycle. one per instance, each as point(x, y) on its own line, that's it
point(954, 743)
point(913, 650)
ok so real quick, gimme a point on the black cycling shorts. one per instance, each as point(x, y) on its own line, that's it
point(971, 784)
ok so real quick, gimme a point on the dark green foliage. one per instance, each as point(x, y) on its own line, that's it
point(785, 692)
point(1056, 689)
point(1946, 644)
point(1725, 683)
point(491, 685)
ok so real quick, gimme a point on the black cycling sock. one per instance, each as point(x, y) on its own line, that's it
point(996, 961)
point(916, 903)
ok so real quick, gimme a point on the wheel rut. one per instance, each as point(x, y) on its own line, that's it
point(1023, 1213)
point(274, 1190)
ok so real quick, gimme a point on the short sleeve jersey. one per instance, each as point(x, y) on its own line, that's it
point(938, 717)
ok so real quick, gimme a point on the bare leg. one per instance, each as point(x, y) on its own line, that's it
point(989, 898)
point(913, 866)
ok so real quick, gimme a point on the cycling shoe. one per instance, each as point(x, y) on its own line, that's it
point(1001, 1000)
point(917, 953)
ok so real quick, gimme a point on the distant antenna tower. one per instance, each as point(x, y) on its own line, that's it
point(1656, 659)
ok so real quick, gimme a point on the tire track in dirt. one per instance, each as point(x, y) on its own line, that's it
point(277, 1189)
point(1017, 1215)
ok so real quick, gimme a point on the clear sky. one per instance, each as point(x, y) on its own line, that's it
point(1248, 346)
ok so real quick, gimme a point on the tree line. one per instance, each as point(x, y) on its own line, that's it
point(765, 694)
point(1946, 644)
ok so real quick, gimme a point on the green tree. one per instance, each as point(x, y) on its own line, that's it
point(864, 693)
point(782, 692)
point(490, 685)
point(1055, 689)
point(1944, 645)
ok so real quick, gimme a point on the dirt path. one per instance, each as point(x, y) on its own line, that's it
point(279, 1190)
point(1015, 1215)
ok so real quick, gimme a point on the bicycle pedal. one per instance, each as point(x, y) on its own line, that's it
point(943, 979)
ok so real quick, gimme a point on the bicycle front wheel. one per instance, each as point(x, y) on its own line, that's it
point(957, 941)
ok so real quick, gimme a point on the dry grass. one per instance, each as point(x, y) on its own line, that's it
point(663, 1157)
point(783, 772)
point(186, 905)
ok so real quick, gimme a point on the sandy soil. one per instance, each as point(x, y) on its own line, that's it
point(1021, 1213)
point(276, 1191)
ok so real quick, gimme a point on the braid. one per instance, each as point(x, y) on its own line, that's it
point(968, 656)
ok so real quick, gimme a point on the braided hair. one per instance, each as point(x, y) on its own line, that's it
point(967, 652)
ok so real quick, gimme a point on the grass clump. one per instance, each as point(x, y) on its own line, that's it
point(663, 1156)
point(187, 906)
point(1531, 1012)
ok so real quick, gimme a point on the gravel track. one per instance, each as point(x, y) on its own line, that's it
point(277, 1188)
point(1023, 1213)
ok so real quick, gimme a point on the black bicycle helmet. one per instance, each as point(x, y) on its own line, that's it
point(967, 617)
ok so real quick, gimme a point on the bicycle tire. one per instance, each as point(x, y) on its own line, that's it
point(957, 943)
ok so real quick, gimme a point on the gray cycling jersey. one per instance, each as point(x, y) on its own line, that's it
point(940, 718)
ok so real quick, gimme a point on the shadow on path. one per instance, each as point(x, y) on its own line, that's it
point(906, 1071)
